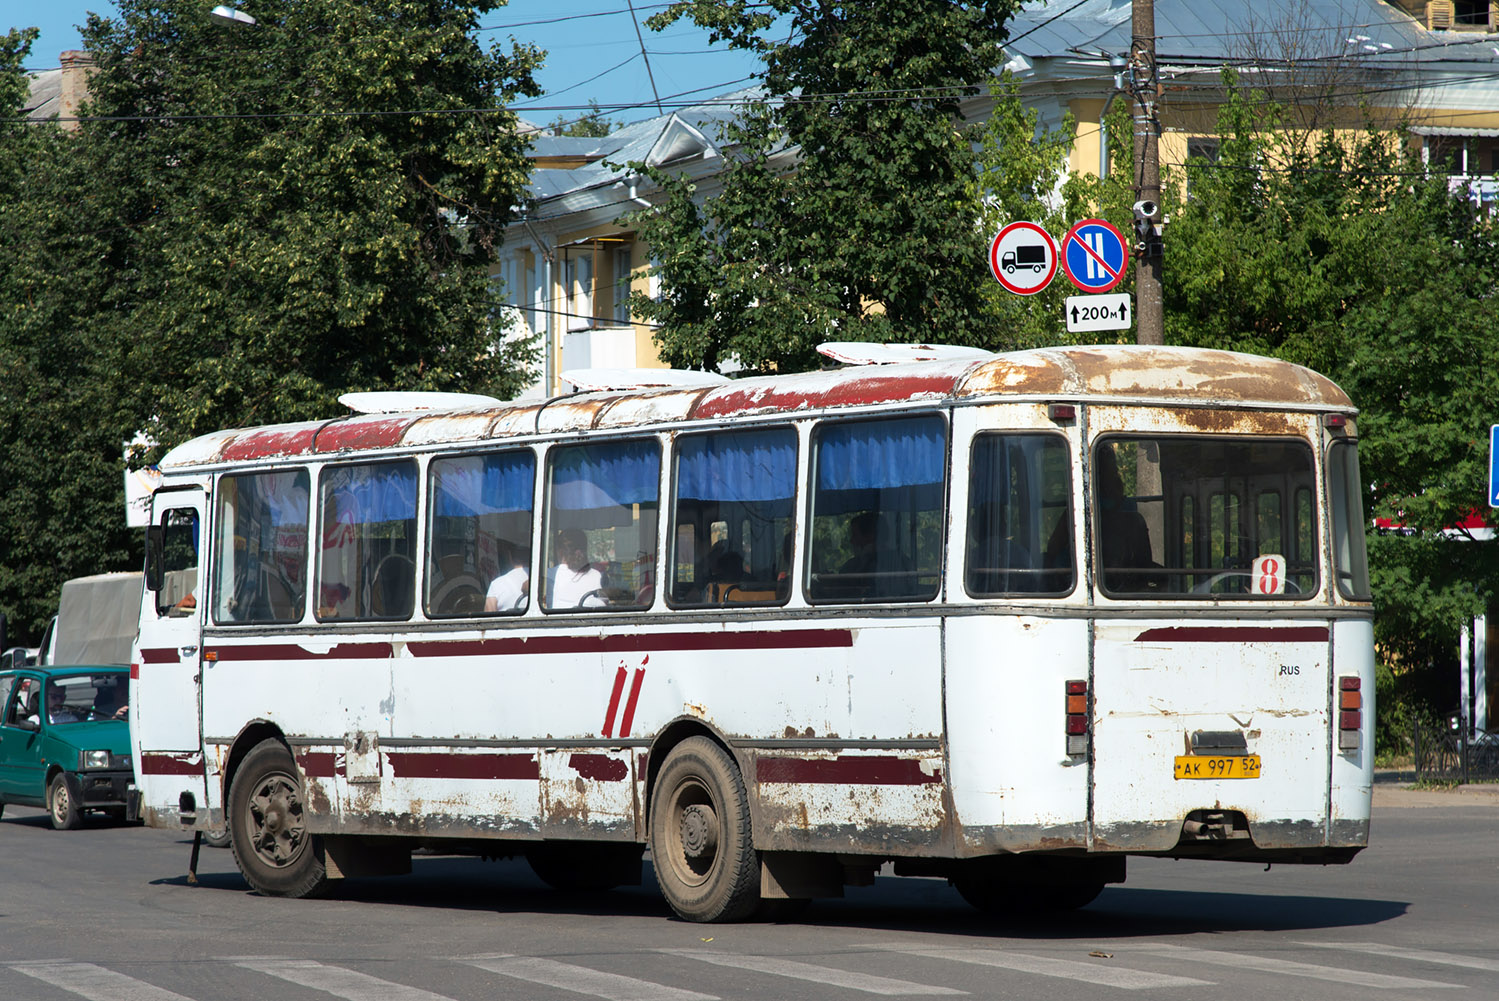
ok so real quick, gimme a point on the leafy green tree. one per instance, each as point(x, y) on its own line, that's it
point(306, 206)
point(847, 209)
point(250, 222)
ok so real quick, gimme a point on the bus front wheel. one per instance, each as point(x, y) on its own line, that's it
point(701, 842)
point(269, 835)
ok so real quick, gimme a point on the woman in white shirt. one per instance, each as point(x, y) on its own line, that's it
point(572, 583)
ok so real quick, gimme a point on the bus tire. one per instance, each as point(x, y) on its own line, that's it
point(62, 808)
point(701, 841)
point(1004, 899)
point(269, 836)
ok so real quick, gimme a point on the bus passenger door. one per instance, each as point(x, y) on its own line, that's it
point(166, 687)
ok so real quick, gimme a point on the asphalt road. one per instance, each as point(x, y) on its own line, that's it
point(107, 913)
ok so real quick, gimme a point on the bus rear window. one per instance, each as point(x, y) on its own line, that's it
point(877, 510)
point(1019, 510)
point(1205, 517)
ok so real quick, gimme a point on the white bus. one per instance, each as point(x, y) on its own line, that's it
point(1005, 621)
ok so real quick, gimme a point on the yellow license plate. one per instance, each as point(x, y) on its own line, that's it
point(1202, 766)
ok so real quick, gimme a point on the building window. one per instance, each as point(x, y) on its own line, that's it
point(622, 264)
point(578, 279)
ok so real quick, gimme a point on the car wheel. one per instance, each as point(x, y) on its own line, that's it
point(216, 839)
point(701, 842)
point(60, 805)
point(272, 847)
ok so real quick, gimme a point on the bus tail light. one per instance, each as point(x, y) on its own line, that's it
point(1350, 713)
point(1077, 717)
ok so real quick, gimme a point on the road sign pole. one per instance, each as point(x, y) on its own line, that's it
point(1149, 309)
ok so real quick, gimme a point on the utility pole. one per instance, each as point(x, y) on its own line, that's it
point(1145, 84)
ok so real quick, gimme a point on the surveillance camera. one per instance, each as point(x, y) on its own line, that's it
point(1145, 209)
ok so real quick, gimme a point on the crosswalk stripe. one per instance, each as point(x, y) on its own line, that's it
point(1090, 973)
point(581, 979)
point(335, 980)
point(93, 982)
point(1416, 955)
point(816, 974)
point(1289, 967)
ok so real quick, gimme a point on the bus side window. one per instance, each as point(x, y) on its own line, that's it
point(179, 562)
point(260, 547)
point(601, 525)
point(877, 509)
point(479, 534)
point(1019, 507)
point(367, 565)
point(735, 499)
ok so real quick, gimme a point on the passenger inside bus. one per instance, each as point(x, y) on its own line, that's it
point(1123, 538)
point(573, 582)
point(509, 590)
point(862, 528)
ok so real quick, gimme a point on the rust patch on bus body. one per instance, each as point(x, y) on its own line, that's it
point(865, 386)
point(362, 433)
point(270, 443)
point(1129, 370)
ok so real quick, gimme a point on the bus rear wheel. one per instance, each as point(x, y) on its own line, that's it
point(701, 840)
point(269, 836)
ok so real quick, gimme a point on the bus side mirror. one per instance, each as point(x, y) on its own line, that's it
point(154, 547)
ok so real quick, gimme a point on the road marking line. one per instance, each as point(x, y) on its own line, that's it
point(1091, 973)
point(795, 970)
point(1290, 968)
point(338, 981)
point(1416, 955)
point(94, 982)
point(581, 979)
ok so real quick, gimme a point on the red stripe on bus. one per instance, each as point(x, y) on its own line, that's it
point(1234, 634)
point(441, 765)
point(853, 770)
point(629, 717)
point(292, 651)
point(599, 767)
point(783, 639)
point(167, 763)
point(619, 686)
point(318, 764)
point(158, 655)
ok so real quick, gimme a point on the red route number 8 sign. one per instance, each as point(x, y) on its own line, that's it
point(1269, 575)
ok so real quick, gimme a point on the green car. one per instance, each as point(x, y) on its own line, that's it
point(64, 741)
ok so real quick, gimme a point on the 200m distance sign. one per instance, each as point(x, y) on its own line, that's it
point(1094, 255)
point(1023, 258)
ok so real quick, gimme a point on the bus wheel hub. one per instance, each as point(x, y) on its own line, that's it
point(699, 831)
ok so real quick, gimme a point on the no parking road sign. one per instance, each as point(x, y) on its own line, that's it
point(1023, 258)
point(1094, 255)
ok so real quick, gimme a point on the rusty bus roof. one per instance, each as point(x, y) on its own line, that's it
point(1125, 373)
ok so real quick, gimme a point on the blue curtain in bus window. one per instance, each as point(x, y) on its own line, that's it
point(742, 467)
point(857, 461)
point(369, 541)
point(483, 484)
point(597, 477)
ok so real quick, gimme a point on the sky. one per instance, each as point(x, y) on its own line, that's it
point(592, 51)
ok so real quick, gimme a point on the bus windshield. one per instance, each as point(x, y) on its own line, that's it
point(1212, 517)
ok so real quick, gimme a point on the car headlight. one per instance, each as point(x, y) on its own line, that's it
point(94, 759)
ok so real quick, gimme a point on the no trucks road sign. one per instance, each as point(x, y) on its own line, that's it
point(1094, 255)
point(1023, 258)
